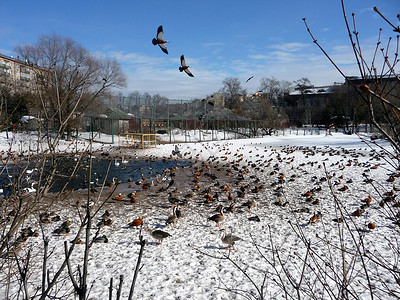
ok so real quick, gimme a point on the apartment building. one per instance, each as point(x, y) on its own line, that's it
point(17, 74)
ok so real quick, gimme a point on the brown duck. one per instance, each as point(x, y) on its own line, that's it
point(229, 239)
point(218, 218)
point(159, 235)
point(137, 222)
point(158, 40)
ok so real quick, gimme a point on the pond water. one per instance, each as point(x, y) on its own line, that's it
point(123, 170)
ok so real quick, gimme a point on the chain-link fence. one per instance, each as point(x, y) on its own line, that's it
point(185, 121)
point(172, 121)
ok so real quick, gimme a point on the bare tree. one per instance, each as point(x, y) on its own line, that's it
point(70, 78)
point(233, 90)
point(376, 86)
point(276, 89)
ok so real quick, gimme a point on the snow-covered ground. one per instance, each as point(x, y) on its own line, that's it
point(274, 171)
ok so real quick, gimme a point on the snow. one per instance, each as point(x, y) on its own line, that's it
point(193, 264)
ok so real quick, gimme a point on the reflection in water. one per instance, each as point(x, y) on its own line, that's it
point(123, 170)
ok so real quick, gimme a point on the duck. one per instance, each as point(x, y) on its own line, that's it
point(29, 232)
point(229, 239)
point(225, 187)
point(316, 202)
point(314, 218)
point(62, 230)
point(77, 241)
point(66, 223)
point(146, 186)
point(45, 219)
point(390, 179)
point(108, 222)
point(208, 198)
point(172, 181)
point(113, 183)
point(367, 200)
point(302, 210)
point(118, 197)
point(250, 204)
point(280, 202)
point(338, 220)
point(172, 219)
point(158, 40)
point(105, 222)
point(230, 197)
point(106, 215)
point(231, 207)
point(248, 79)
point(132, 194)
point(177, 152)
point(257, 94)
point(21, 239)
point(160, 235)
point(56, 218)
point(29, 190)
point(218, 218)
point(93, 190)
point(254, 218)
point(358, 212)
point(178, 212)
point(137, 222)
point(184, 67)
point(101, 239)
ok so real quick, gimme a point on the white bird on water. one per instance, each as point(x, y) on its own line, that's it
point(29, 190)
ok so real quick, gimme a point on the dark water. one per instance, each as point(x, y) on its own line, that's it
point(122, 170)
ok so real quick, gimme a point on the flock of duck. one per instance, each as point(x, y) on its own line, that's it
point(223, 183)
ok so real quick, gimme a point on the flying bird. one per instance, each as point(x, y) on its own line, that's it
point(184, 67)
point(158, 40)
point(257, 94)
point(248, 79)
point(176, 152)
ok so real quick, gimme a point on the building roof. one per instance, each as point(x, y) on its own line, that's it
point(315, 90)
point(20, 61)
point(116, 113)
point(109, 113)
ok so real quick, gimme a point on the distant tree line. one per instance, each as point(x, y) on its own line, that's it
point(272, 104)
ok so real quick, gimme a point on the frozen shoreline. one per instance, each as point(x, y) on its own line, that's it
point(182, 267)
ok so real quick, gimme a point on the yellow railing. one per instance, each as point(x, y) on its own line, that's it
point(137, 140)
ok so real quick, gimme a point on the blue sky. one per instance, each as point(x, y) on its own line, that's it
point(219, 39)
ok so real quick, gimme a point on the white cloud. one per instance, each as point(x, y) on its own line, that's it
point(213, 44)
point(290, 47)
point(259, 56)
point(137, 59)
